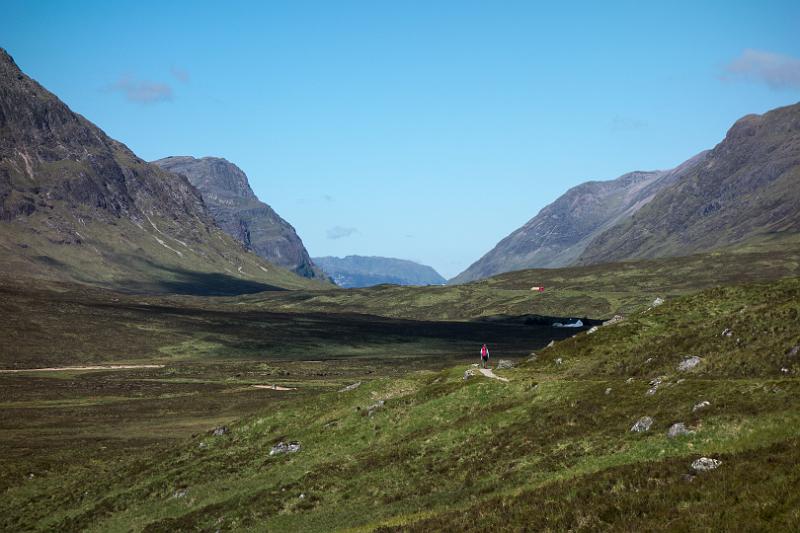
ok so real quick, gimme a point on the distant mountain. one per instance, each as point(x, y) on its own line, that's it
point(747, 186)
point(359, 271)
point(558, 235)
point(77, 205)
point(227, 193)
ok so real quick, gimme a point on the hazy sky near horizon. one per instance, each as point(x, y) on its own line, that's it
point(419, 130)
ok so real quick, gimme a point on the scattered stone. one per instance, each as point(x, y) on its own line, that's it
point(377, 406)
point(475, 365)
point(180, 493)
point(302, 496)
point(354, 386)
point(552, 343)
point(468, 374)
point(202, 445)
point(613, 320)
point(785, 370)
point(642, 425)
point(608, 391)
point(648, 360)
point(504, 364)
point(629, 380)
point(680, 381)
point(654, 385)
point(31, 475)
point(689, 363)
point(283, 447)
point(591, 330)
point(220, 431)
point(793, 351)
point(559, 361)
point(658, 301)
point(704, 464)
point(533, 358)
point(701, 405)
point(727, 333)
point(688, 478)
point(676, 430)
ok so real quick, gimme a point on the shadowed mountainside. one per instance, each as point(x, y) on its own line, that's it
point(78, 205)
point(236, 209)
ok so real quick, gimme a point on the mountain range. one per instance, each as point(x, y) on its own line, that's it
point(77, 205)
point(747, 186)
point(237, 210)
point(359, 271)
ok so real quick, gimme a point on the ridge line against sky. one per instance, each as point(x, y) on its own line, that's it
point(423, 131)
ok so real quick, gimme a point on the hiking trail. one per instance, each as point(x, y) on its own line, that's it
point(489, 374)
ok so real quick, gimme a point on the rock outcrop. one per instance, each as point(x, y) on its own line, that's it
point(237, 210)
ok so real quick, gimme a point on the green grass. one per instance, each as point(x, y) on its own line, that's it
point(597, 291)
point(550, 450)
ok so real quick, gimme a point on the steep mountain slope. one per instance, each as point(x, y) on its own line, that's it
point(748, 185)
point(238, 211)
point(78, 205)
point(358, 271)
point(558, 234)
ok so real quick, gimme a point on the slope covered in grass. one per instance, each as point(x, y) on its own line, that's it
point(596, 291)
point(551, 449)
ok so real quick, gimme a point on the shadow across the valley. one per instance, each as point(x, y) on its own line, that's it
point(165, 280)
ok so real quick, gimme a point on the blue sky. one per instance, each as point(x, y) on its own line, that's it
point(421, 130)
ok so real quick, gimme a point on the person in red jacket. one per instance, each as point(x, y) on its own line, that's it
point(484, 355)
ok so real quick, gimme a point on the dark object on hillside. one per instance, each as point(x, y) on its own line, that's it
point(220, 431)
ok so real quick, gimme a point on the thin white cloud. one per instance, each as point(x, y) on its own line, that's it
point(340, 232)
point(620, 123)
point(179, 74)
point(777, 71)
point(142, 92)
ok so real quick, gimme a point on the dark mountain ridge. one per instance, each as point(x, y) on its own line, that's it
point(77, 205)
point(237, 210)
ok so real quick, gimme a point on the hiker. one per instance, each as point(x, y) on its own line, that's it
point(484, 355)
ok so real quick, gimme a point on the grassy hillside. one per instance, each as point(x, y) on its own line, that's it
point(69, 324)
point(551, 449)
point(596, 291)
